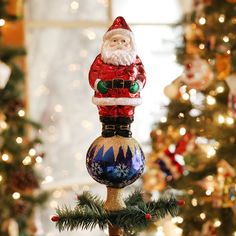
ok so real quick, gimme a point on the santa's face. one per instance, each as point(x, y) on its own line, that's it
point(118, 50)
point(119, 41)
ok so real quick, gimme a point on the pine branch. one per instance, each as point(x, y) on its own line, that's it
point(138, 214)
point(80, 217)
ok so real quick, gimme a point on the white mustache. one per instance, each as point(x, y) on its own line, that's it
point(118, 56)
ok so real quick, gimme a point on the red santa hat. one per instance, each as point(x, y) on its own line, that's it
point(119, 26)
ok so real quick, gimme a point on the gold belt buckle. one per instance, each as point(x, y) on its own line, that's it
point(119, 81)
point(122, 83)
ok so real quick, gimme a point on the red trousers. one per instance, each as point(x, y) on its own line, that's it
point(116, 111)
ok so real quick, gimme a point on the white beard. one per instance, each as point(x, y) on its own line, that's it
point(123, 57)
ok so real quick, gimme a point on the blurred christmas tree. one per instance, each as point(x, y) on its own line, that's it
point(18, 155)
point(194, 145)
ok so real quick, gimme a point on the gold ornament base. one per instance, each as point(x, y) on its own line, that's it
point(114, 202)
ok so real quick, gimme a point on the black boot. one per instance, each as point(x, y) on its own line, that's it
point(123, 126)
point(108, 126)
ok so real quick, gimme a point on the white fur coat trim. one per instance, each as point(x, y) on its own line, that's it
point(140, 84)
point(117, 101)
point(96, 84)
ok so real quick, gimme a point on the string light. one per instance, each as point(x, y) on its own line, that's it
point(217, 223)
point(229, 120)
point(39, 159)
point(208, 192)
point(228, 52)
point(74, 5)
point(181, 115)
point(211, 152)
point(163, 119)
point(202, 21)
point(27, 161)
point(2, 22)
point(1, 178)
point(21, 113)
point(182, 131)
point(185, 96)
point(190, 192)
point(58, 108)
point(211, 100)
point(183, 89)
point(193, 92)
point(180, 220)
point(194, 112)
point(226, 39)
point(177, 219)
point(32, 152)
point(90, 34)
point(47, 179)
point(194, 202)
point(234, 234)
point(210, 178)
point(19, 140)
point(203, 216)
point(221, 119)
point(220, 89)
point(5, 157)
point(220, 170)
point(201, 46)
point(16, 195)
point(3, 125)
point(221, 18)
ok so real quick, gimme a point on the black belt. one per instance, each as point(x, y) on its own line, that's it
point(118, 83)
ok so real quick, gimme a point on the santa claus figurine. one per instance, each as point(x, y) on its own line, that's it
point(117, 77)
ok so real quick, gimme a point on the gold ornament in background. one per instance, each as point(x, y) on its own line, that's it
point(222, 66)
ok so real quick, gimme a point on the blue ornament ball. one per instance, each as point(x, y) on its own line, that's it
point(116, 161)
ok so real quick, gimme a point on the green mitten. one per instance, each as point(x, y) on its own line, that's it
point(102, 88)
point(134, 88)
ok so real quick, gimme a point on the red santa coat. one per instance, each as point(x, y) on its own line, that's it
point(116, 96)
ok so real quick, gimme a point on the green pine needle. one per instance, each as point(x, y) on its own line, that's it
point(92, 202)
point(135, 197)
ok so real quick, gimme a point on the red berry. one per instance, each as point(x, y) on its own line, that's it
point(148, 216)
point(181, 202)
point(188, 66)
point(190, 75)
point(55, 218)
